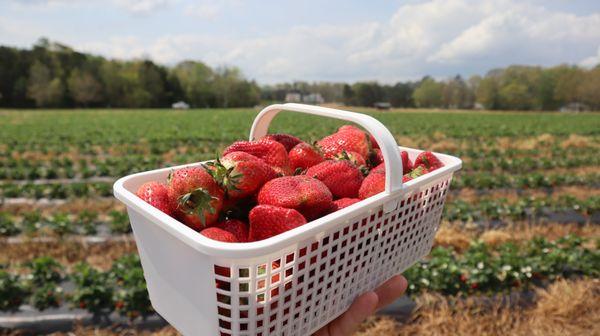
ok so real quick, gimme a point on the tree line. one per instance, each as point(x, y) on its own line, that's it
point(512, 88)
point(54, 75)
point(51, 74)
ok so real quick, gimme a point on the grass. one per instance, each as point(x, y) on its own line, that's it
point(564, 308)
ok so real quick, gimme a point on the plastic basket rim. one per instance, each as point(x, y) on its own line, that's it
point(271, 245)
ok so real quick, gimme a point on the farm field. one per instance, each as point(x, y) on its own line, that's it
point(520, 227)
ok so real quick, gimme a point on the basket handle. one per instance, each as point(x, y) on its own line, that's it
point(385, 139)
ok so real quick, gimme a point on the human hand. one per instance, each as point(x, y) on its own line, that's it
point(364, 306)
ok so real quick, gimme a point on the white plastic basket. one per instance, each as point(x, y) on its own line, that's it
point(298, 281)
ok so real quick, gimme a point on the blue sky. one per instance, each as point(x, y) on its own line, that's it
point(275, 41)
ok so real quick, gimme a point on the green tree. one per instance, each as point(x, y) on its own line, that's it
point(589, 89)
point(487, 93)
point(84, 88)
point(45, 90)
point(456, 94)
point(195, 79)
point(401, 95)
point(367, 93)
point(568, 80)
point(428, 93)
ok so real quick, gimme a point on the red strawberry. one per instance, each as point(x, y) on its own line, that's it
point(238, 228)
point(157, 195)
point(306, 194)
point(288, 141)
point(407, 165)
point(219, 234)
point(240, 174)
point(304, 156)
point(372, 140)
point(348, 138)
point(267, 221)
point(375, 157)
point(418, 171)
point(428, 160)
point(270, 151)
point(197, 197)
point(355, 158)
point(374, 183)
point(341, 177)
point(343, 203)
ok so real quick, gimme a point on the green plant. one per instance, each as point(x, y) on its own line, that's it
point(48, 295)
point(12, 292)
point(61, 224)
point(87, 220)
point(8, 226)
point(44, 270)
point(131, 297)
point(119, 222)
point(93, 290)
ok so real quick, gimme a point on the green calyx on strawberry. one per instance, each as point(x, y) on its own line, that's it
point(418, 171)
point(354, 158)
point(197, 202)
point(240, 174)
point(428, 160)
point(197, 199)
point(224, 176)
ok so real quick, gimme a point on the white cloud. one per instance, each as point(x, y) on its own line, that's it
point(591, 61)
point(142, 6)
point(435, 37)
point(207, 11)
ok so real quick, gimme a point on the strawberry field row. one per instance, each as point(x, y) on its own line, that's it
point(121, 166)
point(487, 209)
point(41, 284)
point(480, 269)
point(523, 181)
point(129, 126)
point(484, 210)
point(480, 181)
point(192, 148)
point(487, 269)
point(56, 190)
point(60, 223)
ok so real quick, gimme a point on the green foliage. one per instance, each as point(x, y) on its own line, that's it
point(44, 270)
point(93, 290)
point(131, 299)
point(54, 75)
point(119, 222)
point(12, 292)
point(487, 269)
point(47, 295)
point(428, 93)
point(8, 226)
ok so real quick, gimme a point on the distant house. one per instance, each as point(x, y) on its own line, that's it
point(180, 105)
point(309, 98)
point(293, 97)
point(574, 107)
point(313, 98)
point(382, 105)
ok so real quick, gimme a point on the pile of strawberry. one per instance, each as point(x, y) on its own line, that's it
point(259, 189)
